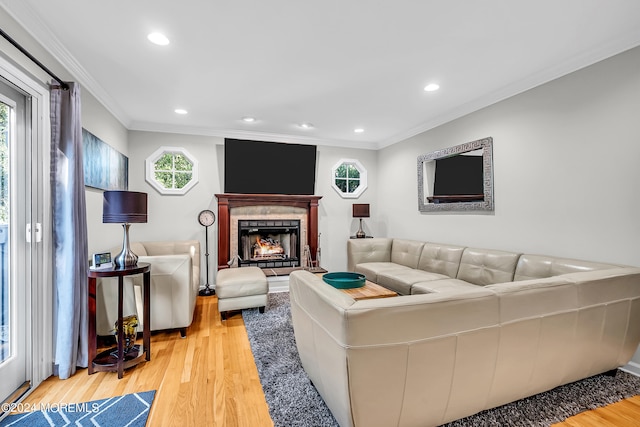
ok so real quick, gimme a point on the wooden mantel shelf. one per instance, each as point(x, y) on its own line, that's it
point(226, 201)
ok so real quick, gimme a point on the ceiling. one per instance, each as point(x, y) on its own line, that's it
point(337, 64)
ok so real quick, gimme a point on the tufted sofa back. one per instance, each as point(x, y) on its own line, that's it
point(406, 252)
point(487, 266)
point(540, 266)
point(442, 259)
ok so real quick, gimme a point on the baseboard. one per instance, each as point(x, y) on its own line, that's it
point(278, 284)
point(633, 368)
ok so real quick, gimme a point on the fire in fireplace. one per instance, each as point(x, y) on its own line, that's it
point(269, 243)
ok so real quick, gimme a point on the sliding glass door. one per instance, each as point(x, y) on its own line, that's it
point(15, 252)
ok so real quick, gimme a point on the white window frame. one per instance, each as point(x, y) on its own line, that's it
point(363, 179)
point(150, 163)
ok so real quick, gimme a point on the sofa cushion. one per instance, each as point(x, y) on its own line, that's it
point(533, 298)
point(401, 280)
point(406, 252)
point(442, 259)
point(443, 285)
point(485, 266)
point(540, 266)
point(372, 270)
point(368, 250)
point(136, 247)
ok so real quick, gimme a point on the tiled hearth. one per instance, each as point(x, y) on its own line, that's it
point(235, 207)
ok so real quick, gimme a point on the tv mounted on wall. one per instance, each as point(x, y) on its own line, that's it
point(458, 178)
point(258, 167)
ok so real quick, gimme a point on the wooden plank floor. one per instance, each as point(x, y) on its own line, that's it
point(210, 379)
point(207, 379)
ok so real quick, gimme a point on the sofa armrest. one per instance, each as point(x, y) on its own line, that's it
point(368, 250)
point(173, 293)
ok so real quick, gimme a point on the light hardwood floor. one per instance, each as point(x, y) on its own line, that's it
point(210, 379)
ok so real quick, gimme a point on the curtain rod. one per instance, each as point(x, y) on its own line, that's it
point(32, 58)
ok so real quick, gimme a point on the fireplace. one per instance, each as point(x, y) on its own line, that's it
point(234, 208)
point(269, 243)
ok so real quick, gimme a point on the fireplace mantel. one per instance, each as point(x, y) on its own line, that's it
point(227, 201)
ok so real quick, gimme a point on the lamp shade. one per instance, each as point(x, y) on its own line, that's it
point(124, 207)
point(361, 210)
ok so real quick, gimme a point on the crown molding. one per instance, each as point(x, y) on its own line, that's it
point(538, 78)
point(31, 23)
point(251, 135)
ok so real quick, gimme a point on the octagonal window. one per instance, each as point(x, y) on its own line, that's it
point(172, 170)
point(349, 178)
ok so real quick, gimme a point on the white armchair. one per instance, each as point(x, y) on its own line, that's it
point(175, 282)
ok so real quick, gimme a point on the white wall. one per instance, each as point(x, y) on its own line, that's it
point(566, 171)
point(335, 221)
point(97, 120)
point(175, 217)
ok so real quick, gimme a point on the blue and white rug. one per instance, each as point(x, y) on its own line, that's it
point(130, 410)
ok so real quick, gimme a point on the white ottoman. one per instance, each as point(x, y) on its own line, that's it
point(238, 288)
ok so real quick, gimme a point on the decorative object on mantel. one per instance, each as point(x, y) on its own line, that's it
point(206, 218)
point(473, 193)
point(360, 210)
point(307, 263)
point(318, 252)
point(125, 207)
point(235, 261)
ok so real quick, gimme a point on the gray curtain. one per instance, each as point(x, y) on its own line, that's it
point(70, 253)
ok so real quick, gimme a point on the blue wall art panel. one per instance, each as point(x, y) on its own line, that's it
point(105, 168)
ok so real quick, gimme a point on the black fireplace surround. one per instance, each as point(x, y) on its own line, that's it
point(269, 243)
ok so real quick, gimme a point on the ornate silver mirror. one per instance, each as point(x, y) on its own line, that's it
point(458, 178)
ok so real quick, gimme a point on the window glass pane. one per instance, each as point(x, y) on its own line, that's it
point(353, 185)
point(5, 329)
point(341, 171)
point(354, 172)
point(182, 163)
point(342, 184)
point(165, 163)
point(4, 163)
point(165, 179)
point(182, 179)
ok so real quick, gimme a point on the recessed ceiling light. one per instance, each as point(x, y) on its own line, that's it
point(249, 119)
point(180, 111)
point(159, 39)
point(358, 130)
point(306, 125)
point(431, 87)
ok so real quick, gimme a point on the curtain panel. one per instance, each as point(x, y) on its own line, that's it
point(70, 249)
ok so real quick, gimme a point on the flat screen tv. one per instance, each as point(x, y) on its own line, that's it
point(458, 175)
point(257, 167)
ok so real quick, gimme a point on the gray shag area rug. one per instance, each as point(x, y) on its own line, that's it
point(294, 401)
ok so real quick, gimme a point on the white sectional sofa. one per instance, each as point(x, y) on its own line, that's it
point(472, 329)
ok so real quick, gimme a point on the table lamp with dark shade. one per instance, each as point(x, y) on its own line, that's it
point(361, 210)
point(124, 207)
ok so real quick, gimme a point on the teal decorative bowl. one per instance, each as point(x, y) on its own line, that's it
point(344, 280)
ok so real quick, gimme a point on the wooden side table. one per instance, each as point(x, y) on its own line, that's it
point(115, 359)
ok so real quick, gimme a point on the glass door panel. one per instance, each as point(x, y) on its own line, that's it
point(15, 330)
